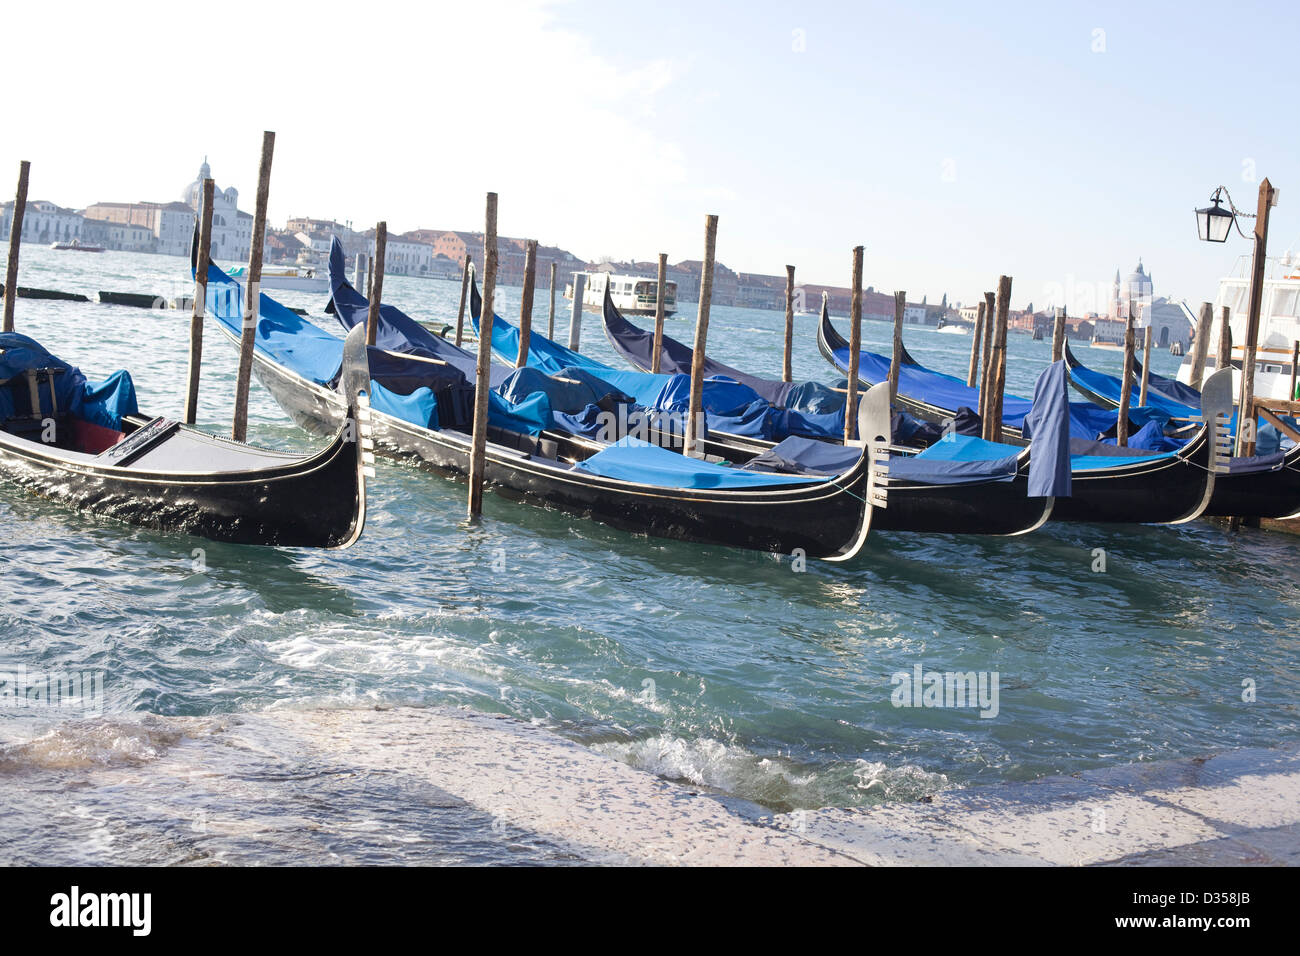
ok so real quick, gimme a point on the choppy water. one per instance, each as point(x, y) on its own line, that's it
point(702, 664)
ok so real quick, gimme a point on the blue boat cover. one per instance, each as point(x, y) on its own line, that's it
point(729, 405)
point(1257, 463)
point(797, 455)
point(637, 346)
point(958, 459)
point(1173, 390)
point(1110, 388)
point(631, 459)
point(100, 403)
point(569, 393)
point(1049, 423)
point(397, 331)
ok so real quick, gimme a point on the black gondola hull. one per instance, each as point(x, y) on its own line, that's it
point(312, 502)
point(823, 520)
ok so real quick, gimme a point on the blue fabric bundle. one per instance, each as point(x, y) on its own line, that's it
point(101, 403)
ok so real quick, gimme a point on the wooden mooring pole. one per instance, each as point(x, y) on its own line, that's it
point(550, 322)
point(992, 424)
point(200, 303)
point(526, 301)
point(1246, 417)
point(661, 289)
point(1146, 365)
point(575, 317)
point(1225, 339)
point(15, 240)
point(1058, 336)
point(696, 427)
point(1200, 348)
point(896, 356)
point(482, 371)
point(855, 347)
point(986, 363)
point(460, 310)
point(787, 370)
point(377, 282)
point(976, 337)
point(253, 291)
point(1126, 383)
point(1295, 367)
point(359, 282)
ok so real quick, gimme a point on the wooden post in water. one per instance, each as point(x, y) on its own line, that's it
point(359, 274)
point(1126, 383)
point(976, 337)
point(661, 289)
point(896, 358)
point(550, 323)
point(1058, 336)
point(1200, 348)
point(787, 370)
point(460, 310)
point(1295, 366)
point(482, 371)
point(575, 317)
point(998, 361)
point(1146, 365)
point(695, 424)
point(855, 347)
point(986, 366)
point(377, 282)
point(1246, 417)
point(253, 290)
point(15, 240)
point(1225, 339)
point(200, 303)
point(526, 301)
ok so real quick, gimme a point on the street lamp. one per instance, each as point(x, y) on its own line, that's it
point(1213, 223)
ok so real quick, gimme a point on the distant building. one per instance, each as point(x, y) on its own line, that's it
point(171, 224)
point(44, 222)
point(232, 230)
point(122, 236)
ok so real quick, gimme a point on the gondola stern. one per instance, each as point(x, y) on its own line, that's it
point(871, 474)
point(354, 382)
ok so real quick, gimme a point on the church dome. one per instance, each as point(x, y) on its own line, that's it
point(194, 190)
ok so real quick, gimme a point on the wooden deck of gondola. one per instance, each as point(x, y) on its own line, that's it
point(516, 781)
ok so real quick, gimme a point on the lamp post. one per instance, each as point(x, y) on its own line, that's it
point(1213, 223)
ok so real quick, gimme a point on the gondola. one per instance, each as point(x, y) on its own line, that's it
point(1109, 484)
point(631, 485)
point(87, 445)
point(958, 487)
point(739, 409)
point(1258, 486)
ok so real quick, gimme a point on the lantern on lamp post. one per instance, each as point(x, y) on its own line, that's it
point(1213, 223)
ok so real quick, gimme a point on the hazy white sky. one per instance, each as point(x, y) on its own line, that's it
point(955, 141)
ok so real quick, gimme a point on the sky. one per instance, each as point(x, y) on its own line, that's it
point(957, 142)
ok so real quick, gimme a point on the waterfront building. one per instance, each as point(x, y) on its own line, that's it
point(43, 222)
point(171, 224)
point(232, 229)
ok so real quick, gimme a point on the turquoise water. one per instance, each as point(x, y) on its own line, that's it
point(703, 664)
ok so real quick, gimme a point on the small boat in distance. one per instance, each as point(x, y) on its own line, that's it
point(76, 245)
point(633, 295)
point(287, 280)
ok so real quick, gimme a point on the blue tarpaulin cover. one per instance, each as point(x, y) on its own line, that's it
point(1110, 388)
point(637, 346)
point(1049, 423)
point(956, 459)
point(101, 403)
point(631, 459)
point(729, 405)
